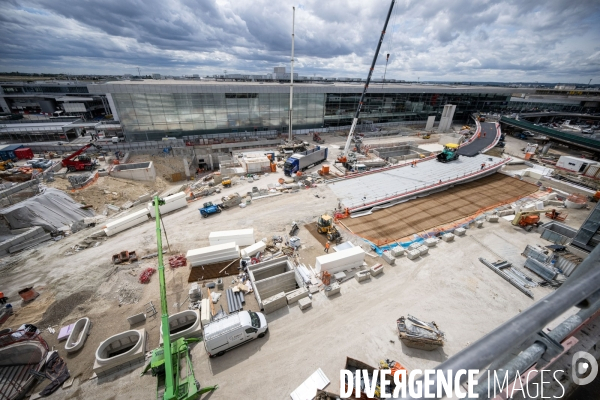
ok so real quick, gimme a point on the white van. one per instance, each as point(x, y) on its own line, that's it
point(233, 330)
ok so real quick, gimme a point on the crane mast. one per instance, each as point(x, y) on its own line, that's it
point(343, 157)
point(171, 363)
point(290, 135)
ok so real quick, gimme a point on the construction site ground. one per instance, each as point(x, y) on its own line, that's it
point(460, 294)
point(415, 216)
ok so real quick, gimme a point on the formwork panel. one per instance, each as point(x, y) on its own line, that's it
point(399, 221)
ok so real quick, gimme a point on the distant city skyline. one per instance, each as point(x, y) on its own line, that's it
point(438, 40)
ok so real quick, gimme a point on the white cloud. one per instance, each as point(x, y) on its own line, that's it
point(509, 40)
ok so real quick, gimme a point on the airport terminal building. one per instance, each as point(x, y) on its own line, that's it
point(152, 109)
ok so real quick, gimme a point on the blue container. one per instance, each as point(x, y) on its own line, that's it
point(8, 153)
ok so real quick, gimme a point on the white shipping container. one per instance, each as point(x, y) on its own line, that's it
point(574, 164)
point(172, 203)
point(241, 237)
point(255, 248)
point(340, 261)
point(126, 222)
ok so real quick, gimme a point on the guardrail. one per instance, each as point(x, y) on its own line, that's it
point(567, 137)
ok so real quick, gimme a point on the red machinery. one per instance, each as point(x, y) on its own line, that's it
point(83, 161)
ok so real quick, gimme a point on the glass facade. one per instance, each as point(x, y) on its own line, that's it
point(391, 107)
point(153, 116)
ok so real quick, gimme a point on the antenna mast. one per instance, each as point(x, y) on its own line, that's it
point(292, 76)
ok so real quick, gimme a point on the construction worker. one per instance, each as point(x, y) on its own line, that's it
point(483, 134)
point(327, 247)
point(2, 298)
point(482, 165)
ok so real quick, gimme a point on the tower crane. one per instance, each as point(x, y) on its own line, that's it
point(343, 158)
point(171, 363)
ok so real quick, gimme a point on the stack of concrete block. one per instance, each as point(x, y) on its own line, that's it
point(478, 224)
point(332, 289)
point(414, 246)
point(296, 295)
point(195, 294)
point(304, 303)
point(376, 269)
point(423, 250)
point(388, 257)
point(241, 237)
point(430, 242)
point(126, 222)
point(412, 254)
point(213, 254)
point(257, 247)
point(504, 213)
point(448, 237)
point(397, 251)
point(492, 218)
point(460, 231)
point(340, 261)
point(205, 314)
point(28, 237)
point(172, 203)
point(363, 275)
point(274, 303)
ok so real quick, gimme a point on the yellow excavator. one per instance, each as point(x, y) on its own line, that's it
point(4, 165)
point(325, 226)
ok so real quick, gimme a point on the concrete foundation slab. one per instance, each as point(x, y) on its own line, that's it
point(304, 303)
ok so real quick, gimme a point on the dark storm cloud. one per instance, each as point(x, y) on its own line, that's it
point(437, 39)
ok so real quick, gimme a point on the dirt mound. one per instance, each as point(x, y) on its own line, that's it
point(60, 309)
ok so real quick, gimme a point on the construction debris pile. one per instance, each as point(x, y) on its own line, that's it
point(419, 334)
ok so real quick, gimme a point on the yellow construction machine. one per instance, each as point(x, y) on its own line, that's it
point(325, 226)
point(4, 165)
point(226, 182)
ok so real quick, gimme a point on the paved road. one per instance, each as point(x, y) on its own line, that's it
point(488, 135)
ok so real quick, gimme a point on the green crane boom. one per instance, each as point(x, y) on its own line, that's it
point(171, 363)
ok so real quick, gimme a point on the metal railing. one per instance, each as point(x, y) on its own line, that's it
point(553, 133)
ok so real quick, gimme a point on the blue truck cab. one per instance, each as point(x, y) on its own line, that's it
point(301, 161)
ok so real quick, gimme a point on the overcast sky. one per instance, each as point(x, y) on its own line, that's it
point(507, 41)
